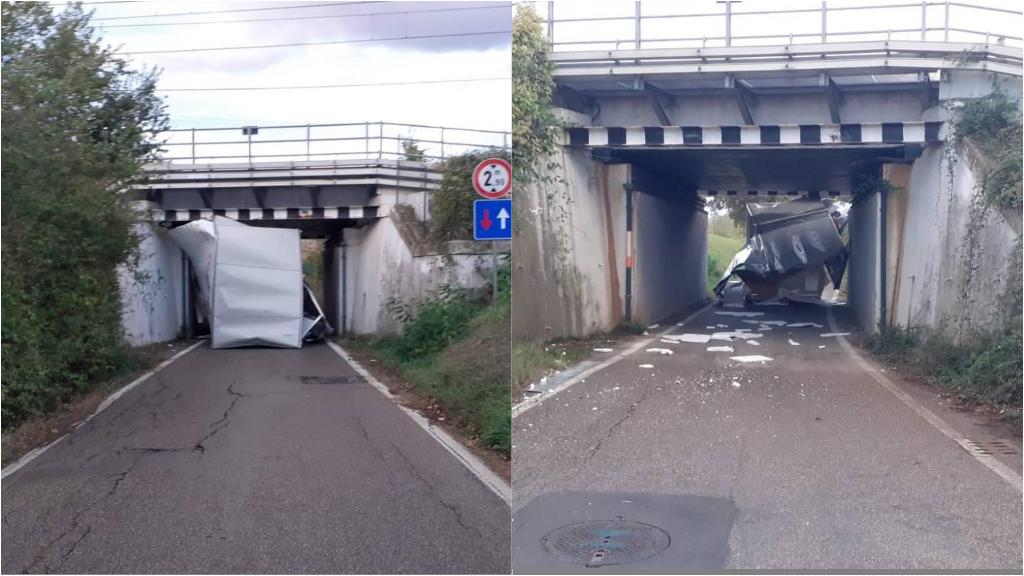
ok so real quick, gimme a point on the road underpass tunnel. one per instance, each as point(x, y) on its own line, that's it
point(676, 247)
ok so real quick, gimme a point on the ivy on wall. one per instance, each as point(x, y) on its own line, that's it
point(534, 125)
point(993, 124)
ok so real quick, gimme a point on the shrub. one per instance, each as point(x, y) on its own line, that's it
point(77, 126)
point(994, 124)
point(432, 323)
point(986, 368)
point(451, 208)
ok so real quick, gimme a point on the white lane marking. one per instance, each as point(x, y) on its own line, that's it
point(990, 462)
point(529, 403)
point(487, 477)
point(103, 406)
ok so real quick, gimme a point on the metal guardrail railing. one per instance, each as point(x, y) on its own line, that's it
point(910, 20)
point(352, 141)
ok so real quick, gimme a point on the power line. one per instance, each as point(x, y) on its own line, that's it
point(325, 86)
point(319, 5)
point(492, 7)
point(332, 42)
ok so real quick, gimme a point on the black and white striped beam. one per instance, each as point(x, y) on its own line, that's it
point(247, 214)
point(762, 135)
point(748, 193)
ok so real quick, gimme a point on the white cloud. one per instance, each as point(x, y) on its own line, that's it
point(484, 105)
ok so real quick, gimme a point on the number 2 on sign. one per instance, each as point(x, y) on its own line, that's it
point(494, 178)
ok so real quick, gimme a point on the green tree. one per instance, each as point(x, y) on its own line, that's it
point(78, 124)
point(534, 125)
point(411, 151)
point(451, 208)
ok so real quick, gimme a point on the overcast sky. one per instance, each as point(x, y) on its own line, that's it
point(484, 105)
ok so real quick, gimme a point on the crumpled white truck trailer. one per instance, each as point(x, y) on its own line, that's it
point(250, 283)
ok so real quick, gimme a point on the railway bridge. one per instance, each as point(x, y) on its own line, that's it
point(360, 190)
point(658, 125)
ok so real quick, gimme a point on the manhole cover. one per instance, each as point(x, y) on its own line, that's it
point(605, 542)
point(331, 379)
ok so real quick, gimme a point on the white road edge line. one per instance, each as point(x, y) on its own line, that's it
point(494, 482)
point(990, 462)
point(103, 406)
point(525, 405)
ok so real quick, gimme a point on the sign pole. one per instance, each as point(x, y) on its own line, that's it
point(494, 271)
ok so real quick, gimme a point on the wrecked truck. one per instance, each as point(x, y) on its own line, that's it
point(249, 279)
point(793, 250)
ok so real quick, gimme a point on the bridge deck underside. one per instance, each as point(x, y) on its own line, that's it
point(763, 172)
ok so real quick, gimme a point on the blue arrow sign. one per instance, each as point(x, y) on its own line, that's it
point(492, 219)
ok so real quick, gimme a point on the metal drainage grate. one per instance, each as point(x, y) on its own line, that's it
point(331, 379)
point(605, 542)
point(992, 447)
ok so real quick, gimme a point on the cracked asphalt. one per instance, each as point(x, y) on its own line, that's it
point(252, 461)
point(826, 468)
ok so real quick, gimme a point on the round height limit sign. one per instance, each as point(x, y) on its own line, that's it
point(492, 178)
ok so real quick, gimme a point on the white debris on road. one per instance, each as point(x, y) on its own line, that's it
point(753, 342)
point(743, 314)
point(820, 347)
point(793, 342)
point(646, 366)
point(736, 384)
point(652, 327)
point(663, 351)
point(831, 334)
point(720, 349)
point(804, 325)
point(735, 334)
point(697, 338)
point(602, 350)
point(754, 358)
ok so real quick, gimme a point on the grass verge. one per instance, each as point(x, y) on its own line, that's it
point(987, 370)
point(455, 352)
point(721, 249)
point(531, 360)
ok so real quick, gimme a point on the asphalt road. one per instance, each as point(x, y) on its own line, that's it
point(825, 468)
point(252, 461)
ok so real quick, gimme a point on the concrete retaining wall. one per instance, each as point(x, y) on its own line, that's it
point(862, 269)
point(152, 297)
point(671, 231)
point(569, 246)
point(953, 270)
point(381, 264)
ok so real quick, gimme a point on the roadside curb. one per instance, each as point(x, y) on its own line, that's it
point(27, 458)
point(990, 462)
point(486, 476)
point(529, 403)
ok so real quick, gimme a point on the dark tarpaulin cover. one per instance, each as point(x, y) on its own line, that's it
point(785, 239)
